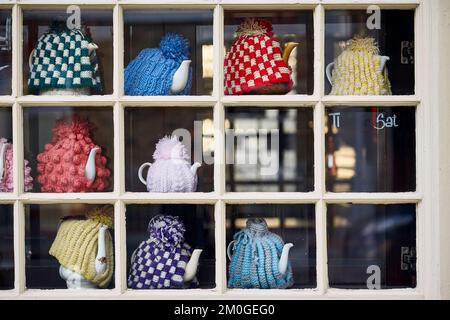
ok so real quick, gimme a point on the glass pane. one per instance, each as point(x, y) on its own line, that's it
point(372, 246)
point(6, 247)
point(60, 74)
point(67, 235)
point(144, 272)
point(371, 149)
point(151, 72)
point(145, 127)
point(269, 149)
point(5, 52)
point(70, 149)
point(294, 224)
point(7, 182)
point(360, 67)
point(289, 26)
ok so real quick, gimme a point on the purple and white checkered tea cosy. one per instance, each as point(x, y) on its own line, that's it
point(160, 261)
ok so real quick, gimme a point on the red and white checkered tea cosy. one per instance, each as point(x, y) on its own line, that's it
point(255, 59)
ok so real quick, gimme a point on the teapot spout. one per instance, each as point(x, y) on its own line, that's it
point(283, 263)
point(192, 265)
point(91, 47)
point(180, 78)
point(195, 167)
point(100, 259)
point(89, 170)
point(288, 50)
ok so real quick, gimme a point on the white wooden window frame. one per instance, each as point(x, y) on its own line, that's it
point(432, 280)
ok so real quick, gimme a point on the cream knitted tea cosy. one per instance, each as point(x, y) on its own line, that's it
point(358, 70)
point(76, 243)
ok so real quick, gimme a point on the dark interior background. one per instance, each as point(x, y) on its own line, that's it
point(6, 247)
point(360, 236)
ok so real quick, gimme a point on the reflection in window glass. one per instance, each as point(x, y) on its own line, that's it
point(366, 240)
point(60, 144)
point(288, 26)
point(96, 29)
point(294, 224)
point(269, 150)
point(47, 227)
point(6, 247)
point(392, 41)
point(198, 221)
point(146, 29)
point(370, 149)
point(5, 52)
point(144, 127)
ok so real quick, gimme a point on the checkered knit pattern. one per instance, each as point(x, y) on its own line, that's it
point(61, 60)
point(160, 261)
point(254, 60)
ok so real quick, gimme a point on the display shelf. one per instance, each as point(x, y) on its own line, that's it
point(211, 98)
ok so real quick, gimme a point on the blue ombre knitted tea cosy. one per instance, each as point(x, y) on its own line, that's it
point(151, 72)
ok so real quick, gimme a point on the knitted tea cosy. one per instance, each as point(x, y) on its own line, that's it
point(6, 181)
point(254, 263)
point(171, 171)
point(160, 261)
point(151, 72)
point(61, 60)
point(61, 165)
point(357, 70)
point(254, 60)
point(76, 244)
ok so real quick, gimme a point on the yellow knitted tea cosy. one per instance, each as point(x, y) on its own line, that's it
point(357, 70)
point(76, 243)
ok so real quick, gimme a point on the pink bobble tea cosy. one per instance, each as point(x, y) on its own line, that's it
point(6, 181)
point(72, 162)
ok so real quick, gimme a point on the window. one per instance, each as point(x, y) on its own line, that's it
point(344, 177)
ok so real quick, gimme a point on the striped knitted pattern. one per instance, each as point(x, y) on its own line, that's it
point(357, 70)
point(151, 72)
point(254, 263)
point(62, 60)
point(75, 248)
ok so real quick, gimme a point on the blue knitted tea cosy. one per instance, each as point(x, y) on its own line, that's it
point(254, 263)
point(151, 72)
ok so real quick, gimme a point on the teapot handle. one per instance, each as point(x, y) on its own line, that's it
point(30, 59)
point(229, 248)
point(141, 169)
point(328, 72)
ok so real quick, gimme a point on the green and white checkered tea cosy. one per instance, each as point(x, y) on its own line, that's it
point(61, 60)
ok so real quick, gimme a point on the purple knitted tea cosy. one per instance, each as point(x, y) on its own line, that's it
point(160, 261)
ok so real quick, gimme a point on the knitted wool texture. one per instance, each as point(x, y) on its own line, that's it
point(254, 60)
point(171, 171)
point(151, 73)
point(76, 244)
point(160, 261)
point(254, 263)
point(61, 166)
point(7, 182)
point(357, 70)
point(61, 60)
